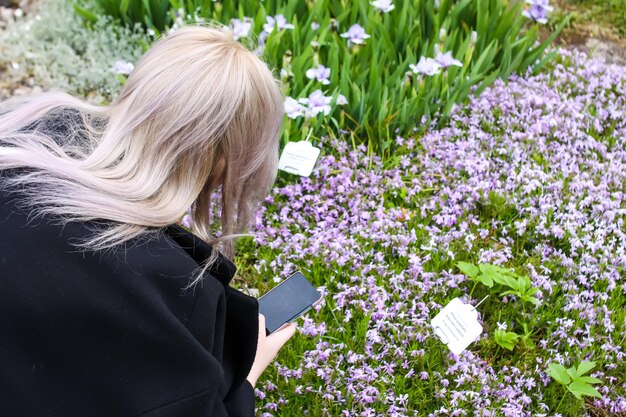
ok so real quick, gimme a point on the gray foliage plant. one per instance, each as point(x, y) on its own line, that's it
point(55, 49)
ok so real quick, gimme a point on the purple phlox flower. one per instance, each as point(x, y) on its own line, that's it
point(318, 103)
point(383, 5)
point(446, 60)
point(123, 67)
point(187, 220)
point(241, 28)
point(538, 11)
point(293, 109)
point(356, 34)
point(321, 74)
point(341, 100)
point(426, 66)
point(279, 21)
point(315, 25)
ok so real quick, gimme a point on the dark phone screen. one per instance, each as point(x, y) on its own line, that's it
point(287, 301)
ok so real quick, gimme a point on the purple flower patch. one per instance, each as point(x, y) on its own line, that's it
point(525, 176)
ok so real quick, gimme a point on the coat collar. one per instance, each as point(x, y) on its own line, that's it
point(223, 269)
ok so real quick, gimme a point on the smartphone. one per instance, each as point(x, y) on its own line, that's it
point(287, 301)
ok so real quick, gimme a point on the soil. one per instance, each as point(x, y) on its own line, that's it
point(9, 10)
point(597, 40)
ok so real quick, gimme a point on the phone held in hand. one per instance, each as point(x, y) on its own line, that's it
point(287, 301)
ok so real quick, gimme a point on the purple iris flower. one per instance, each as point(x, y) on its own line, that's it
point(279, 21)
point(538, 11)
point(321, 74)
point(318, 103)
point(241, 28)
point(426, 66)
point(446, 60)
point(383, 5)
point(356, 34)
point(293, 109)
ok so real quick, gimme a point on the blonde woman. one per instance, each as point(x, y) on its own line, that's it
point(107, 306)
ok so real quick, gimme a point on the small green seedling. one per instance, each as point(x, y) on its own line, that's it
point(489, 274)
point(505, 339)
point(523, 290)
point(573, 379)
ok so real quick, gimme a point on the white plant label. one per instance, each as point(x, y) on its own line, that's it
point(299, 158)
point(457, 325)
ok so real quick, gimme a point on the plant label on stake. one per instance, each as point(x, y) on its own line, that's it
point(457, 325)
point(299, 158)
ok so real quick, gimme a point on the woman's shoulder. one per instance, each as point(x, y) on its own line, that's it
point(117, 315)
point(172, 248)
point(200, 251)
point(40, 258)
point(31, 233)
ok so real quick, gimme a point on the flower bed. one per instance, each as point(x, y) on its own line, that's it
point(530, 175)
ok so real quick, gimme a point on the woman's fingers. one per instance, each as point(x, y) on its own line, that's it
point(268, 347)
point(261, 338)
point(280, 337)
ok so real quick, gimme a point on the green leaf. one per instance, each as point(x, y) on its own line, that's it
point(585, 367)
point(468, 269)
point(507, 281)
point(523, 283)
point(580, 388)
point(532, 291)
point(485, 279)
point(571, 371)
point(496, 269)
point(558, 373)
point(85, 14)
point(500, 275)
point(505, 339)
point(588, 379)
point(532, 300)
point(576, 393)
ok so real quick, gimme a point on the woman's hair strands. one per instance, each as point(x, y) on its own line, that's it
point(198, 112)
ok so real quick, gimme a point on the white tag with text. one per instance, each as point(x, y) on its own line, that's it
point(299, 158)
point(457, 325)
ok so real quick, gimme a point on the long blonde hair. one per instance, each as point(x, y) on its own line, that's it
point(198, 110)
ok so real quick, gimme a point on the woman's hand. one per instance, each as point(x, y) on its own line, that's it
point(268, 347)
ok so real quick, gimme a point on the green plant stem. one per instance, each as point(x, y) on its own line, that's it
point(473, 288)
point(562, 398)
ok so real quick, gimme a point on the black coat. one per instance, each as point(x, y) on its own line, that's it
point(110, 334)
